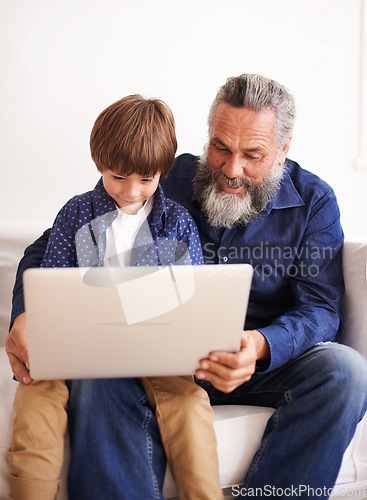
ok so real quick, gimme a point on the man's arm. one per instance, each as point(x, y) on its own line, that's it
point(317, 285)
point(17, 341)
point(32, 257)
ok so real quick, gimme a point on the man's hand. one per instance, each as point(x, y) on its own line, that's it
point(17, 349)
point(226, 371)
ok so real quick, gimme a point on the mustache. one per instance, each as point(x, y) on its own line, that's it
point(231, 182)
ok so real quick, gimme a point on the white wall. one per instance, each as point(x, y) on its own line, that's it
point(62, 62)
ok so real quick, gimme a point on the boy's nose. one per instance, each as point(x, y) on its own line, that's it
point(131, 192)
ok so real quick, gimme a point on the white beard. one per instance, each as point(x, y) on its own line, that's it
point(224, 209)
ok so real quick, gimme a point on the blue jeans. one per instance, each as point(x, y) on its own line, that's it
point(319, 399)
point(117, 452)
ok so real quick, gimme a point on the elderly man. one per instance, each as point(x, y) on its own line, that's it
point(252, 205)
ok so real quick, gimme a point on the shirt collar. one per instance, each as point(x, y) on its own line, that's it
point(102, 201)
point(287, 195)
point(159, 207)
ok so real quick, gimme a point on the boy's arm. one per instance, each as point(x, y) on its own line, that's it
point(17, 341)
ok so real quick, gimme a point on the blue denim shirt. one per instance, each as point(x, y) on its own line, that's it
point(295, 249)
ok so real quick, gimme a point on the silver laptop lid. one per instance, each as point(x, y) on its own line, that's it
point(132, 321)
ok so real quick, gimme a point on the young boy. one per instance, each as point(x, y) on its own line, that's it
point(125, 220)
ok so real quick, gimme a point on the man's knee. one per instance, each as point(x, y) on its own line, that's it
point(342, 360)
point(344, 370)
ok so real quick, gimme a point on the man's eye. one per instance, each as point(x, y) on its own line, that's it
point(253, 157)
point(220, 148)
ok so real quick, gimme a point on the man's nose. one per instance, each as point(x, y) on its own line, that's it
point(234, 167)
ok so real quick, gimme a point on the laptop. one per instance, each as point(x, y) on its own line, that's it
point(132, 321)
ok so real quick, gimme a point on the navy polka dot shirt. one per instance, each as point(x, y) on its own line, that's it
point(168, 236)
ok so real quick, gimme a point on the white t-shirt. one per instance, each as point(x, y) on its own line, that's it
point(120, 236)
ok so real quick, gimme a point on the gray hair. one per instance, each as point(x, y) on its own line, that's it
point(256, 92)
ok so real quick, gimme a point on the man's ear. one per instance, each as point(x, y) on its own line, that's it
point(284, 151)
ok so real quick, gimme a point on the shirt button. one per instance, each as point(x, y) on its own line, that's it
point(225, 259)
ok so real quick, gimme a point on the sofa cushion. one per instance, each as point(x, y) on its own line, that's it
point(353, 307)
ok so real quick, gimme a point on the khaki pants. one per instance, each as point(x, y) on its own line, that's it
point(185, 419)
point(37, 450)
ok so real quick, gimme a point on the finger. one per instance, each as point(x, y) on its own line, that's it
point(222, 377)
point(231, 360)
point(246, 353)
point(17, 345)
point(243, 359)
point(218, 382)
point(21, 355)
point(19, 370)
point(17, 351)
point(224, 371)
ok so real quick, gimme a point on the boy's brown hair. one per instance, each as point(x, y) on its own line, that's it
point(134, 135)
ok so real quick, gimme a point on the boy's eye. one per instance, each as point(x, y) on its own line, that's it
point(147, 180)
point(117, 178)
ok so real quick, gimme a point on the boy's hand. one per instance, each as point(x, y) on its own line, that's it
point(17, 349)
point(226, 371)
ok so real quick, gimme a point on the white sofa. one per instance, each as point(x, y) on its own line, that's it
point(239, 429)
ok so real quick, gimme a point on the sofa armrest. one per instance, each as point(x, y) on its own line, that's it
point(354, 304)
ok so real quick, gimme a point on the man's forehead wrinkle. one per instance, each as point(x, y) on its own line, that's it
point(249, 141)
point(243, 127)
